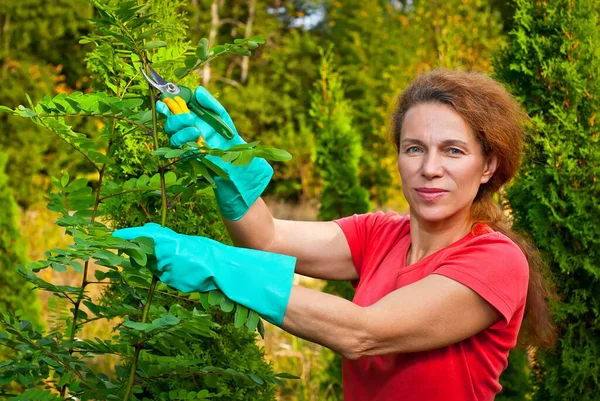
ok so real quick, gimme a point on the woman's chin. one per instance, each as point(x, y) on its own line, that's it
point(433, 214)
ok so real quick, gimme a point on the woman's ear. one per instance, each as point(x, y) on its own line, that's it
point(490, 168)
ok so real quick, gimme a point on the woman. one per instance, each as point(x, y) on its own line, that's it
point(440, 293)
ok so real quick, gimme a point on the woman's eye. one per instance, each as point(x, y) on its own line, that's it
point(455, 151)
point(412, 149)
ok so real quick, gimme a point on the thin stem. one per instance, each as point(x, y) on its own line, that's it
point(121, 193)
point(139, 346)
point(114, 117)
point(70, 144)
point(152, 289)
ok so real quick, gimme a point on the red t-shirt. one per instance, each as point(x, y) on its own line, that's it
point(485, 261)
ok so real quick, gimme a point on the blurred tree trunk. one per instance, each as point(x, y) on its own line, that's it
point(247, 34)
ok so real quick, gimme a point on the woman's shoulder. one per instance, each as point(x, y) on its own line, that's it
point(494, 244)
point(385, 220)
point(379, 225)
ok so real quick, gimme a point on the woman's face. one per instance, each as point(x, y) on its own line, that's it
point(441, 163)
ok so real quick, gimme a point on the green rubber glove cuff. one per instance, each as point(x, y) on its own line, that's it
point(245, 185)
point(261, 281)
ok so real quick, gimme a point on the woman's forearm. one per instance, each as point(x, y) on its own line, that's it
point(325, 319)
point(255, 229)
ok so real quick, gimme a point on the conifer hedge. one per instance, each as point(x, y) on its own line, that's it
point(552, 65)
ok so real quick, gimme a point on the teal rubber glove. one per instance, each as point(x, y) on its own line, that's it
point(246, 183)
point(261, 281)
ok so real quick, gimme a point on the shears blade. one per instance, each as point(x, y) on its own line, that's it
point(159, 83)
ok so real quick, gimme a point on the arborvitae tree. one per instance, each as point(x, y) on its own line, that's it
point(515, 380)
point(16, 294)
point(338, 147)
point(338, 154)
point(553, 65)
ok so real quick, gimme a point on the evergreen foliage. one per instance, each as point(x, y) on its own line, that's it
point(16, 295)
point(553, 66)
point(338, 147)
point(515, 380)
point(338, 154)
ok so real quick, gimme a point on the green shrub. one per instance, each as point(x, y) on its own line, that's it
point(553, 66)
point(171, 345)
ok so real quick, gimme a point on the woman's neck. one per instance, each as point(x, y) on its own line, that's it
point(428, 238)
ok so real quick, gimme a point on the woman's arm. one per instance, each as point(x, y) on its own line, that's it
point(321, 248)
point(431, 313)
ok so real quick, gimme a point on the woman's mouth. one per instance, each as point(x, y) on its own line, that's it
point(431, 194)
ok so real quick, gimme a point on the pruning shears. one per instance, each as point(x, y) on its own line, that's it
point(180, 99)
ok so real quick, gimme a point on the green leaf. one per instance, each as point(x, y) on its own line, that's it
point(251, 45)
point(256, 379)
point(204, 300)
point(76, 265)
point(244, 159)
point(252, 321)
point(215, 297)
point(230, 156)
point(161, 151)
point(99, 157)
point(202, 394)
point(108, 257)
point(146, 244)
point(37, 265)
point(202, 49)
point(100, 275)
point(257, 39)
point(142, 181)
point(77, 184)
point(173, 153)
point(170, 178)
point(139, 325)
point(211, 380)
point(202, 171)
point(59, 267)
point(139, 256)
point(187, 194)
point(285, 375)
point(241, 314)
point(155, 181)
point(218, 49)
point(227, 305)
point(261, 328)
point(241, 51)
point(216, 169)
point(7, 109)
point(64, 180)
point(273, 154)
point(154, 44)
point(190, 62)
point(180, 72)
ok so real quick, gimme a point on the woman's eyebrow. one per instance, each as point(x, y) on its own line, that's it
point(446, 142)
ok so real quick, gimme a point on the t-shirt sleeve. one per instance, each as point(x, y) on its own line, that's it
point(360, 230)
point(495, 268)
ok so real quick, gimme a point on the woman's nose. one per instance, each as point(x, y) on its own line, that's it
point(432, 166)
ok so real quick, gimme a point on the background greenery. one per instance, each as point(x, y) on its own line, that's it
point(546, 52)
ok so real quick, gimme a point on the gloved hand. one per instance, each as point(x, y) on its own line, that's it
point(261, 281)
point(246, 183)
